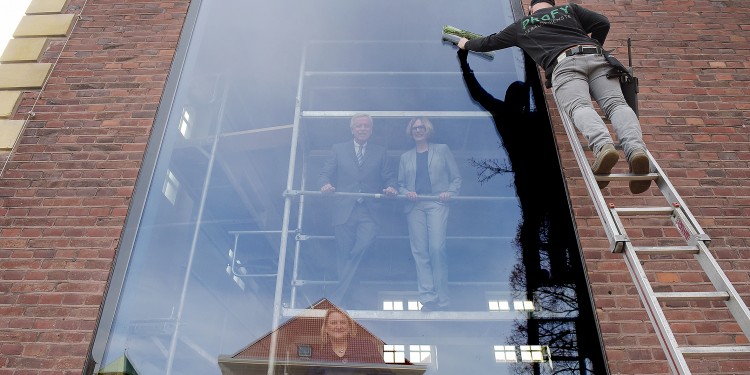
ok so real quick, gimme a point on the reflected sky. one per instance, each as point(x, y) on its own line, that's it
point(202, 277)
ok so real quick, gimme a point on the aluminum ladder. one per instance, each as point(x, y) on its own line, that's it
point(697, 244)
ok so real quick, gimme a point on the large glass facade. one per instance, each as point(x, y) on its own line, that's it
point(241, 264)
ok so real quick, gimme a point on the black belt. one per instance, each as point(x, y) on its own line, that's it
point(580, 50)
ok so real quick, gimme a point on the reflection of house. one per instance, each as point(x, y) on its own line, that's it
point(295, 341)
point(120, 366)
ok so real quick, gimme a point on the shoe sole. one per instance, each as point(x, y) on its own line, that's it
point(605, 164)
point(639, 165)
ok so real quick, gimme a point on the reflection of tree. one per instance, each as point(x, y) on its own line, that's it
point(550, 271)
point(487, 168)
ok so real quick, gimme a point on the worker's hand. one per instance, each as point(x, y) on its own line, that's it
point(462, 43)
point(327, 188)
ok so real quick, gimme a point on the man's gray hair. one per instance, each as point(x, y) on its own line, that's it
point(358, 115)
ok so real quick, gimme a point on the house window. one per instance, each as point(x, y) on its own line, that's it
point(420, 353)
point(171, 187)
point(505, 353)
point(304, 351)
point(393, 305)
point(414, 353)
point(400, 305)
point(394, 353)
point(532, 353)
point(523, 305)
point(496, 305)
point(186, 124)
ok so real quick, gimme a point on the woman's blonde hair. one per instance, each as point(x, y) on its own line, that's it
point(324, 334)
point(427, 126)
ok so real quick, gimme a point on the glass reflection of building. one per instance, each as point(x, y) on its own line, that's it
point(298, 346)
point(227, 244)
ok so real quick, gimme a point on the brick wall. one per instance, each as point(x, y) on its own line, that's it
point(66, 188)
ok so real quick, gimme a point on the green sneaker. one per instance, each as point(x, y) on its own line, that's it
point(605, 161)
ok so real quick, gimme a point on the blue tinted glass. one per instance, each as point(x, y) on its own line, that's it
point(268, 239)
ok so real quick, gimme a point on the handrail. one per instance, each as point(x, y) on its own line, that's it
point(293, 193)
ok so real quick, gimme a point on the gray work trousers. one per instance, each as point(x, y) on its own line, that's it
point(575, 80)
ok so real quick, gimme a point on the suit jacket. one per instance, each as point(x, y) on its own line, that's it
point(341, 171)
point(441, 166)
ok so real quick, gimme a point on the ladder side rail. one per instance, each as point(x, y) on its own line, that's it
point(615, 236)
point(710, 266)
point(295, 270)
point(175, 336)
point(670, 193)
point(298, 242)
point(675, 358)
point(288, 201)
point(620, 243)
point(735, 304)
point(651, 303)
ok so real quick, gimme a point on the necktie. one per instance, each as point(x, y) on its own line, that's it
point(359, 163)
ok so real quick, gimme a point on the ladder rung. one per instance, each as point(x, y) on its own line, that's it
point(692, 296)
point(632, 211)
point(626, 177)
point(718, 349)
point(666, 250)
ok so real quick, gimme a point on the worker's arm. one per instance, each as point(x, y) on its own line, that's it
point(493, 42)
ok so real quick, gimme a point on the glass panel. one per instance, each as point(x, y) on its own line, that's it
point(240, 261)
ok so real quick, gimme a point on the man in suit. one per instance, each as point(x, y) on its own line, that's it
point(355, 166)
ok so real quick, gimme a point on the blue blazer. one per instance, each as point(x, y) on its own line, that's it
point(341, 171)
point(441, 166)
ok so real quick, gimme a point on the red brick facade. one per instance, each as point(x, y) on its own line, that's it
point(66, 188)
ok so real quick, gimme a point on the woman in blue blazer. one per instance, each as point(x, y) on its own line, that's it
point(428, 176)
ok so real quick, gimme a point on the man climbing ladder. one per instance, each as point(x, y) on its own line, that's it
point(577, 68)
point(575, 64)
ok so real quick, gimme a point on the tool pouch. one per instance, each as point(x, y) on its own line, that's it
point(628, 82)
